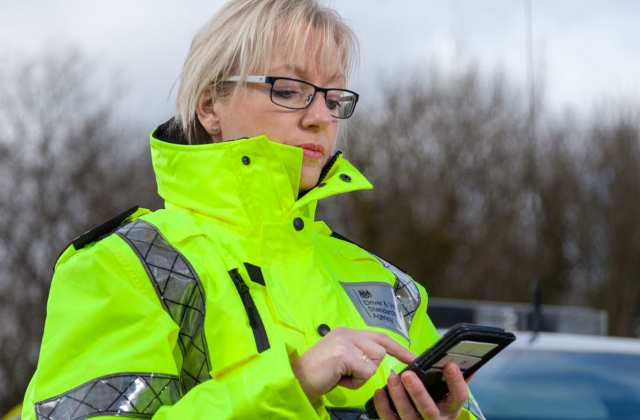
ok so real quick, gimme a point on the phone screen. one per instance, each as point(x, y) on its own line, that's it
point(465, 354)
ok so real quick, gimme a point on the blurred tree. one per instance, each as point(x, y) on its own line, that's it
point(615, 155)
point(66, 165)
point(557, 183)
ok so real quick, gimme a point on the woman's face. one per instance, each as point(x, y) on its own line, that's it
point(251, 113)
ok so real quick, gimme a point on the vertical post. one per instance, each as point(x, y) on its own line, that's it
point(532, 171)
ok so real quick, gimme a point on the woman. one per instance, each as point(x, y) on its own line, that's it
point(233, 302)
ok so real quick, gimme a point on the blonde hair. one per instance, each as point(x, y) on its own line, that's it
point(243, 38)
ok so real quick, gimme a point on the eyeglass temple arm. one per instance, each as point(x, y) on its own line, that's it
point(254, 79)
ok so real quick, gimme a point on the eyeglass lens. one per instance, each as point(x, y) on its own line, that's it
point(296, 94)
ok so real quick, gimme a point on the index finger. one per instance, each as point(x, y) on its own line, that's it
point(391, 346)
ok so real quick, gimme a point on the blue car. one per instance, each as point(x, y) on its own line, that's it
point(553, 376)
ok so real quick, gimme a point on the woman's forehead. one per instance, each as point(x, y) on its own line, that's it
point(304, 51)
point(306, 69)
point(308, 60)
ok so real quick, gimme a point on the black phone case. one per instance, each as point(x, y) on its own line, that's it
point(470, 338)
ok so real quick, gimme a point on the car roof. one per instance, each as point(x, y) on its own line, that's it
point(546, 341)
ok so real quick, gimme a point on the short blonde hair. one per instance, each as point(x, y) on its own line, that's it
point(244, 36)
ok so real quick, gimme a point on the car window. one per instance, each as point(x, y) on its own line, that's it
point(543, 385)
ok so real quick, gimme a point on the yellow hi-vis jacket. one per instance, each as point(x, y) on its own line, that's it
point(197, 310)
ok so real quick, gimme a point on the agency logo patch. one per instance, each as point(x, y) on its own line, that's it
point(377, 305)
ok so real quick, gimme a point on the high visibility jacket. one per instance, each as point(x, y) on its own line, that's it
point(197, 310)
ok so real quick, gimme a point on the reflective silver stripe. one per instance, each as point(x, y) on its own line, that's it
point(472, 407)
point(137, 395)
point(406, 292)
point(180, 292)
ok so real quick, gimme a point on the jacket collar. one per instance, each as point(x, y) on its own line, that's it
point(243, 182)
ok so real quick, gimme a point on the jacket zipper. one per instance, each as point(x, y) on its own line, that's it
point(255, 321)
point(327, 167)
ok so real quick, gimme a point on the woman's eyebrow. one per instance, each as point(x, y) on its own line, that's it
point(304, 75)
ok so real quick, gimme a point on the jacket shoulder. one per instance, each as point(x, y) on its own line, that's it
point(103, 229)
point(99, 232)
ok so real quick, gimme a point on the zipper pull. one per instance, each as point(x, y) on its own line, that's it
point(245, 296)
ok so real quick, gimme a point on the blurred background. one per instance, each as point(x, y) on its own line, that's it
point(502, 137)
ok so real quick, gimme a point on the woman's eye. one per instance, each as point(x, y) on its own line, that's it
point(334, 100)
point(285, 94)
point(288, 92)
point(331, 104)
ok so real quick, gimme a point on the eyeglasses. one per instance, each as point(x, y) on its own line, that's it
point(297, 94)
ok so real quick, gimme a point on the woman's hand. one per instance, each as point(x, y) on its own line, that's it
point(409, 388)
point(344, 357)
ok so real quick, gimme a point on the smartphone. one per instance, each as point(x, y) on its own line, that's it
point(467, 345)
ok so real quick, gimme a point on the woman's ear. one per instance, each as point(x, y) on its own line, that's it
point(208, 115)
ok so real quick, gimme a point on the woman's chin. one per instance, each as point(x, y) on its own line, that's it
point(309, 178)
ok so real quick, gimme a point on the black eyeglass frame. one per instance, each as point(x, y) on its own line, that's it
point(272, 79)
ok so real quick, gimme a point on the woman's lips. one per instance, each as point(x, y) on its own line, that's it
point(313, 151)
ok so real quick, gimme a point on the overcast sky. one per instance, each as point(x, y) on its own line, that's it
point(583, 49)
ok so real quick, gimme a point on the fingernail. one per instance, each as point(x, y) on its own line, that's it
point(408, 378)
point(378, 394)
point(394, 380)
point(451, 370)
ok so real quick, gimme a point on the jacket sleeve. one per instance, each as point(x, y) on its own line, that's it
point(109, 347)
point(265, 388)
